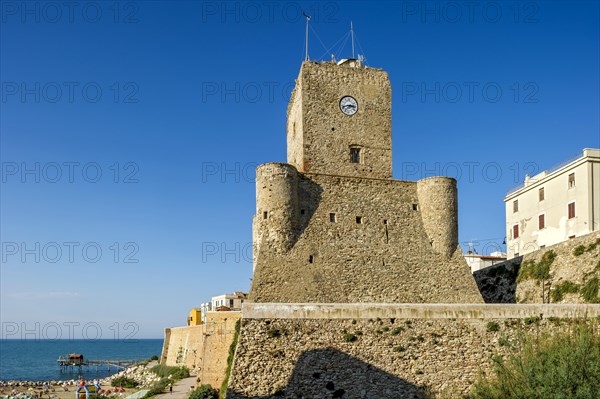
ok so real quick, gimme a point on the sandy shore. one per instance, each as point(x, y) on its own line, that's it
point(66, 389)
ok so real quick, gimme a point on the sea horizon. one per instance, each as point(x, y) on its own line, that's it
point(34, 359)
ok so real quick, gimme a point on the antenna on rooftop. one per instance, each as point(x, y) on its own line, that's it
point(307, 19)
point(352, 33)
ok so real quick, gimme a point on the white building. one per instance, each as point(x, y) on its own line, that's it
point(555, 205)
point(477, 262)
point(232, 301)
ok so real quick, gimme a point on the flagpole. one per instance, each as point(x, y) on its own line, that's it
point(307, 19)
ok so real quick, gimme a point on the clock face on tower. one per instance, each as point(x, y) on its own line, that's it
point(348, 105)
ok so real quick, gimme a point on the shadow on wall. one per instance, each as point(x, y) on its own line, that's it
point(309, 196)
point(498, 283)
point(329, 373)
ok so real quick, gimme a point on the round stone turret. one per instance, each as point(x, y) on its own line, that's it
point(438, 204)
point(276, 216)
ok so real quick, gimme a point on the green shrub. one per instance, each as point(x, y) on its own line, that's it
point(397, 330)
point(236, 335)
point(531, 320)
point(579, 250)
point(350, 337)
point(492, 326)
point(561, 366)
point(536, 270)
point(589, 292)
point(399, 349)
point(175, 372)
point(157, 388)
point(154, 357)
point(274, 332)
point(386, 329)
point(124, 382)
point(563, 288)
point(204, 391)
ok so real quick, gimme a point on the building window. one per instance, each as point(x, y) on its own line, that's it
point(572, 180)
point(515, 206)
point(516, 231)
point(542, 222)
point(231, 303)
point(571, 210)
point(355, 156)
point(332, 217)
point(359, 219)
point(541, 194)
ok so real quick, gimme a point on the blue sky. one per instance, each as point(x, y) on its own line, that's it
point(130, 132)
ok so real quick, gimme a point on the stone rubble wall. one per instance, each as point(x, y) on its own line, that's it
point(498, 283)
point(204, 348)
point(405, 248)
point(380, 351)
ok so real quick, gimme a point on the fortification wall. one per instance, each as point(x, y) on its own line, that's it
point(358, 240)
point(498, 284)
point(398, 350)
point(204, 348)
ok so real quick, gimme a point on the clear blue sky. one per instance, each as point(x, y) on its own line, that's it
point(175, 103)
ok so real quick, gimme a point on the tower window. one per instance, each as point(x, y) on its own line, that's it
point(571, 209)
point(332, 217)
point(355, 155)
point(302, 211)
point(311, 259)
point(572, 180)
point(384, 221)
point(415, 207)
point(265, 214)
point(359, 219)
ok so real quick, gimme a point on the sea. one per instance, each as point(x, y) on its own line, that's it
point(36, 360)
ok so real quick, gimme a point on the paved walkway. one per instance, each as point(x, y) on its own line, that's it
point(181, 389)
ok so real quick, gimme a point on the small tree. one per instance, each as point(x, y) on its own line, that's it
point(203, 392)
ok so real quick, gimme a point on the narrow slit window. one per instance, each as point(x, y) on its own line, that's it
point(311, 259)
point(332, 217)
point(359, 220)
point(572, 180)
point(415, 207)
point(302, 211)
point(571, 210)
point(355, 155)
point(265, 214)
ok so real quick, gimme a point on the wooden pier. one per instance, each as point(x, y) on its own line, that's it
point(72, 361)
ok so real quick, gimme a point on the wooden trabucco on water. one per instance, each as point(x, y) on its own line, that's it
point(76, 360)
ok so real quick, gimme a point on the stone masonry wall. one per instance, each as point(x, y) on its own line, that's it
point(320, 135)
point(204, 348)
point(388, 255)
point(498, 283)
point(394, 352)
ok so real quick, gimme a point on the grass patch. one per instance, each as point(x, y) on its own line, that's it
point(564, 365)
point(236, 335)
point(536, 270)
point(204, 391)
point(566, 287)
point(492, 326)
point(579, 250)
point(350, 337)
point(589, 292)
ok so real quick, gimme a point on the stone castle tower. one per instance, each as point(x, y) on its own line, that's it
point(331, 225)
